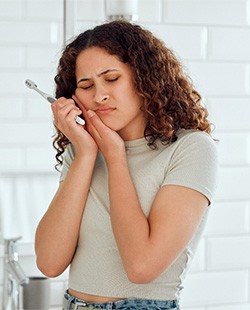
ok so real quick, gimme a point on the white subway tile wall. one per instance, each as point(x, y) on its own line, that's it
point(212, 37)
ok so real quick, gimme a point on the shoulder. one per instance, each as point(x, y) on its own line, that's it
point(194, 162)
point(196, 142)
point(195, 136)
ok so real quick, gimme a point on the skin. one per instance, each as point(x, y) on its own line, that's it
point(106, 96)
point(105, 85)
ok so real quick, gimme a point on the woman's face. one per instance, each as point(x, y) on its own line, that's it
point(105, 85)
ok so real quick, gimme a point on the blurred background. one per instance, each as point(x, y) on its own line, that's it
point(212, 37)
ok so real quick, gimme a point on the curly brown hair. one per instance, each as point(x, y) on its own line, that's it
point(170, 101)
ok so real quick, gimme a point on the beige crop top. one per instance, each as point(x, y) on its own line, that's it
point(97, 268)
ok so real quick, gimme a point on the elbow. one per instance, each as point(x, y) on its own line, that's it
point(49, 269)
point(141, 274)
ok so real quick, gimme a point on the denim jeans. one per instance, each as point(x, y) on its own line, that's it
point(73, 303)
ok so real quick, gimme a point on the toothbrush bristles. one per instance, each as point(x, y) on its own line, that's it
point(30, 84)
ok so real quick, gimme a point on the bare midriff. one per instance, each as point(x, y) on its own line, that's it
point(92, 298)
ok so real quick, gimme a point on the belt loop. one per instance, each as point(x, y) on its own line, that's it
point(69, 301)
point(75, 306)
point(109, 306)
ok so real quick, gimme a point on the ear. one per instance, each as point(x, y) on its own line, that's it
point(80, 106)
point(76, 100)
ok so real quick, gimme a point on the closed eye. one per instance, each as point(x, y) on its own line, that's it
point(112, 80)
point(107, 79)
point(87, 87)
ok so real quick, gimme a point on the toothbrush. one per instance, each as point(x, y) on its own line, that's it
point(30, 84)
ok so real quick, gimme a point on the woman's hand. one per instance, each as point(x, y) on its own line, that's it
point(109, 142)
point(65, 112)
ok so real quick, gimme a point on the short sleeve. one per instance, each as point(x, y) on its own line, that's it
point(194, 164)
point(68, 157)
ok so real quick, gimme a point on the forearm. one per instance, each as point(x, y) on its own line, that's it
point(148, 246)
point(130, 225)
point(131, 228)
point(57, 232)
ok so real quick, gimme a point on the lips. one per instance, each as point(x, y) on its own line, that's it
point(105, 110)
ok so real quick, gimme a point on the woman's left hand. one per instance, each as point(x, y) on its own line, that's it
point(110, 143)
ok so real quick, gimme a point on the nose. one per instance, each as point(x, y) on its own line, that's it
point(101, 96)
point(101, 99)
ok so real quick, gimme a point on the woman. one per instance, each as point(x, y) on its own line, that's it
point(136, 180)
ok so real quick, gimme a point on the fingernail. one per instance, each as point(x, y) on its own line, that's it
point(90, 113)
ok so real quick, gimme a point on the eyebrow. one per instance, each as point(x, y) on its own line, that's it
point(100, 74)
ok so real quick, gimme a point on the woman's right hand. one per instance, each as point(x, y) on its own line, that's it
point(65, 112)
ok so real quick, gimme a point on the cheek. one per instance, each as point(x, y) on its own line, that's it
point(84, 98)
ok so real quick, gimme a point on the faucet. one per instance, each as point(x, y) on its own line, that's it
point(14, 277)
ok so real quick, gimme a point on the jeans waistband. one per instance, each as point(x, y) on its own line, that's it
point(73, 303)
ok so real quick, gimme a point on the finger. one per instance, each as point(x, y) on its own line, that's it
point(78, 120)
point(66, 106)
point(72, 115)
point(60, 103)
point(67, 113)
point(81, 106)
point(54, 105)
point(97, 123)
point(92, 129)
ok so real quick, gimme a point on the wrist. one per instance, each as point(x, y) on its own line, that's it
point(85, 158)
point(116, 156)
point(117, 162)
point(86, 151)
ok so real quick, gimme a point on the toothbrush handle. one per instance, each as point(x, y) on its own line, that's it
point(80, 121)
point(51, 99)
